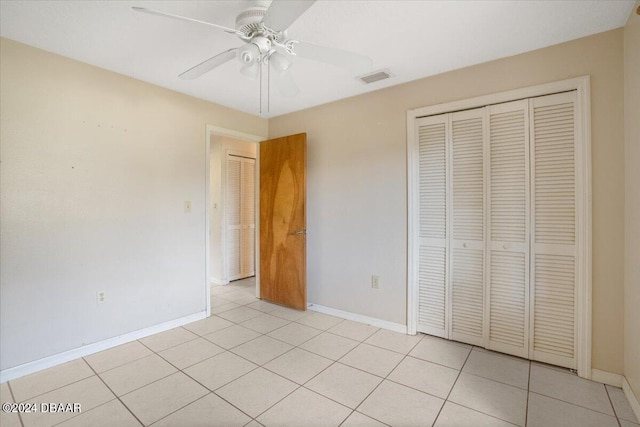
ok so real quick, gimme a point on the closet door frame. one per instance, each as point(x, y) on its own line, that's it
point(584, 194)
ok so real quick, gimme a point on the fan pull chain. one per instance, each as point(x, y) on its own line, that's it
point(260, 106)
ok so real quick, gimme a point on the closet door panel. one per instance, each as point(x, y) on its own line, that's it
point(467, 226)
point(248, 218)
point(553, 183)
point(507, 321)
point(431, 134)
point(233, 217)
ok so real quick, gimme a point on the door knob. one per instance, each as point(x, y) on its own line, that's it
point(464, 245)
point(297, 232)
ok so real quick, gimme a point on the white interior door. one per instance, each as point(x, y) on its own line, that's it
point(467, 226)
point(500, 211)
point(508, 222)
point(240, 217)
point(431, 134)
point(554, 200)
point(247, 205)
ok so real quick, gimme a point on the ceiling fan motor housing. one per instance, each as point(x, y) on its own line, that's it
point(249, 20)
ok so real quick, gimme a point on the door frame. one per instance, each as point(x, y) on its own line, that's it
point(583, 215)
point(211, 130)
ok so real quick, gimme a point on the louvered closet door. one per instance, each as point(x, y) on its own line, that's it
point(507, 320)
point(467, 226)
point(553, 187)
point(431, 134)
point(233, 217)
point(247, 252)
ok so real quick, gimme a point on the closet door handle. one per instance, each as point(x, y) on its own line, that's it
point(464, 245)
point(505, 246)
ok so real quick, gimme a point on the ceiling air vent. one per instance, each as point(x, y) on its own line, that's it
point(374, 77)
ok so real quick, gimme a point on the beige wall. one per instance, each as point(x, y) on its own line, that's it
point(632, 202)
point(95, 171)
point(357, 181)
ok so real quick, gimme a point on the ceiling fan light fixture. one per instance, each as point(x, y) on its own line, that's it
point(279, 63)
point(249, 53)
point(251, 70)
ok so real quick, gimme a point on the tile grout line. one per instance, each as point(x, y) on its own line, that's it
point(116, 396)
point(574, 404)
point(615, 413)
point(57, 388)
point(176, 345)
point(149, 383)
point(261, 366)
point(526, 412)
point(488, 379)
point(205, 387)
point(13, 397)
point(385, 378)
point(85, 412)
point(302, 385)
point(298, 386)
point(453, 386)
point(333, 362)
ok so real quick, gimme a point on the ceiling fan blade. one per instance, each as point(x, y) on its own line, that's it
point(183, 18)
point(209, 64)
point(282, 13)
point(354, 62)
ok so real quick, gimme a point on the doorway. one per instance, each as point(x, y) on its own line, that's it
point(239, 219)
point(232, 209)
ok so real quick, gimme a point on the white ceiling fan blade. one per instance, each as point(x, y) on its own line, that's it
point(354, 62)
point(282, 13)
point(286, 84)
point(209, 64)
point(183, 18)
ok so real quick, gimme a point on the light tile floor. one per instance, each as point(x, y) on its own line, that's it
point(254, 363)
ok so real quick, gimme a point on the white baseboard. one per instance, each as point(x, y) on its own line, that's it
point(60, 358)
point(218, 281)
point(396, 327)
point(631, 397)
point(605, 377)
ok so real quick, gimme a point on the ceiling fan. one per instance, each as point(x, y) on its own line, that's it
point(263, 29)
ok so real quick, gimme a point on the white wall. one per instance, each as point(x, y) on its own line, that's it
point(95, 171)
point(220, 146)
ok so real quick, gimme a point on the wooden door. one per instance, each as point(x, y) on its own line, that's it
point(283, 239)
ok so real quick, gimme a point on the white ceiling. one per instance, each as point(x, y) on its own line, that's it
point(414, 39)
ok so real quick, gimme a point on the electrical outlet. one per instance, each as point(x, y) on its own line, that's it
point(375, 282)
point(187, 207)
point(101, 297)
